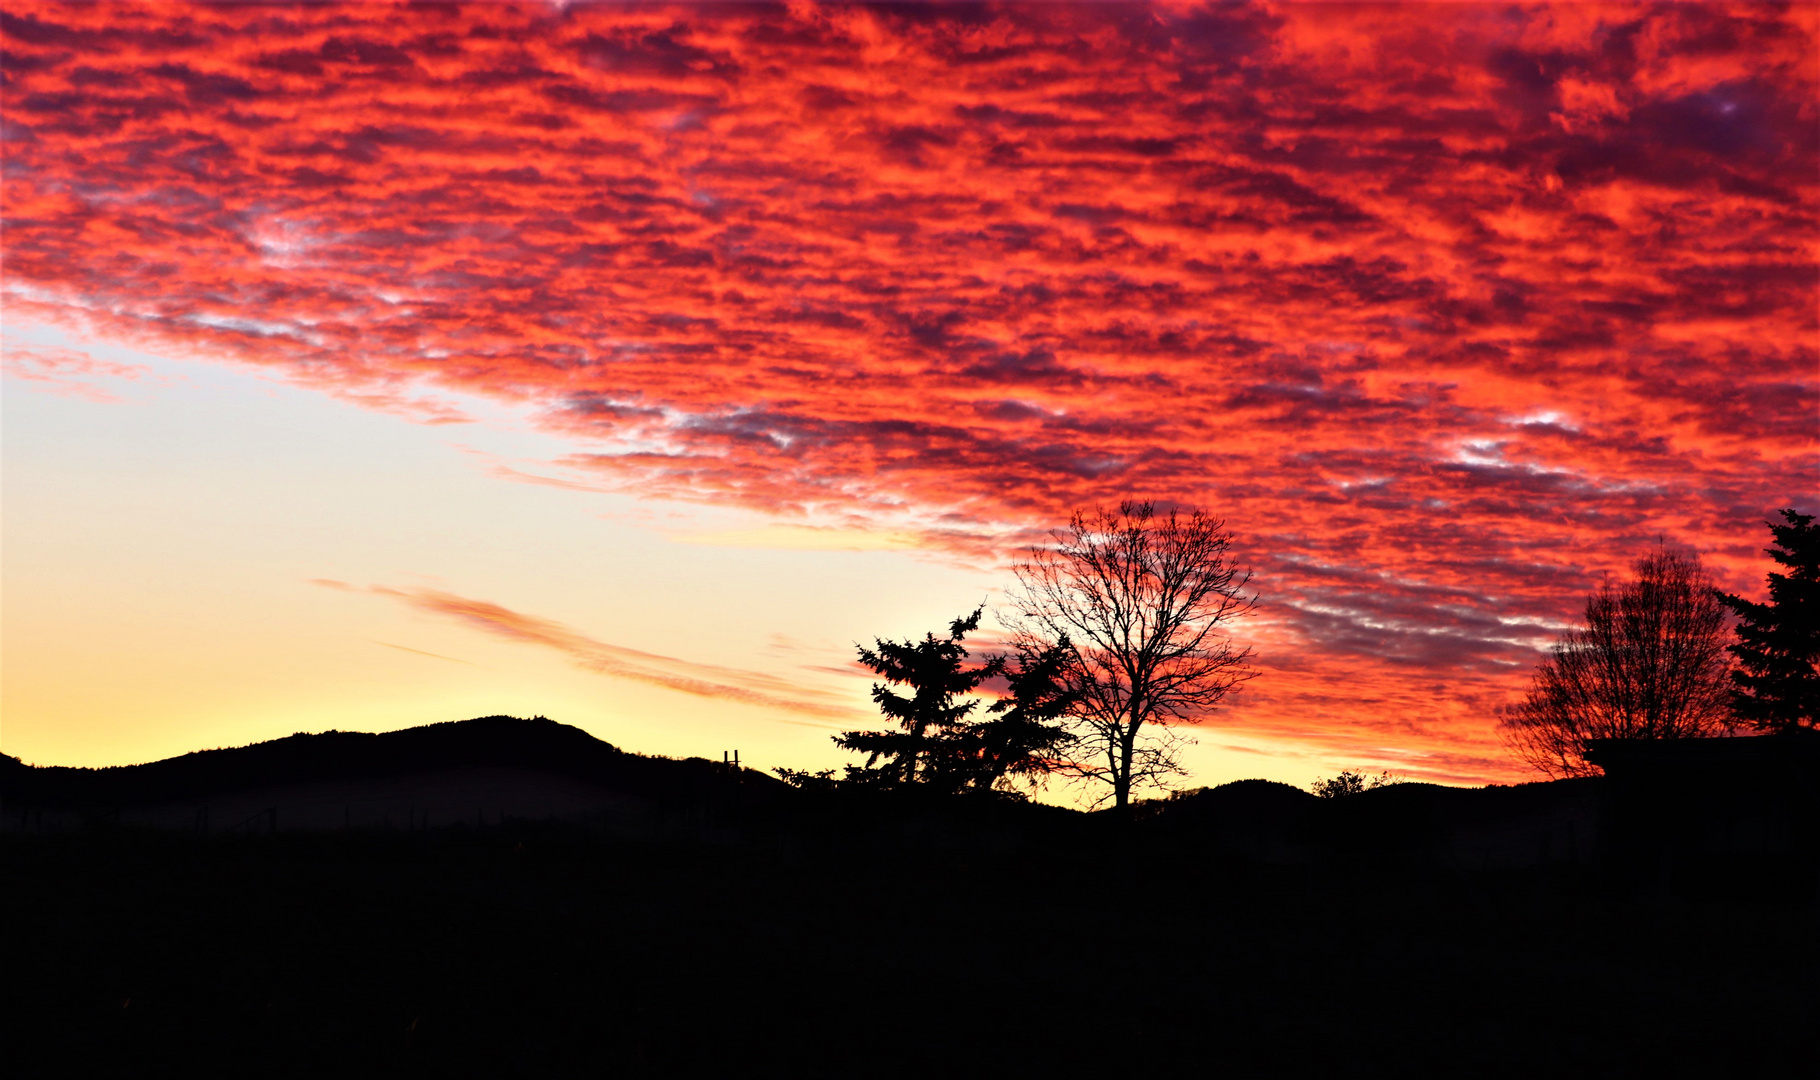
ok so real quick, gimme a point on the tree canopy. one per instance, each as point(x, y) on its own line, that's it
point(1649, 664)
point(1143, 603)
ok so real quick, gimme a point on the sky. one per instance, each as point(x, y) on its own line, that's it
point(376, 365)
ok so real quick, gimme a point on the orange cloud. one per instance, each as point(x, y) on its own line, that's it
point(702, 680)
point(1445, 309)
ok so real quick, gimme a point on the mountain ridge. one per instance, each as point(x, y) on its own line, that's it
point(490, 741)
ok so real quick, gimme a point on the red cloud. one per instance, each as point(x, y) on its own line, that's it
point(1445, 309)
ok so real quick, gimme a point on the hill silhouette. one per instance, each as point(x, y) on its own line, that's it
point(339, 755)
point(1406, 823)
point(480, 758)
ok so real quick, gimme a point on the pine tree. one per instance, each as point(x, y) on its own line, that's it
point(1776, 686)
point(1021, 735)
point(932, 669)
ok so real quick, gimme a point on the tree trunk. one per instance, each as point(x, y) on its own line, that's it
point(916, 751)
point(1121, 777)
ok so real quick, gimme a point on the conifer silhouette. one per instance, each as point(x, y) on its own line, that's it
point(932, 669)
point(936, 745)
point(1776, 686)
point(1021, 737)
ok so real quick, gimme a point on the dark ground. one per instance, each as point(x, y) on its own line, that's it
point(542, 950)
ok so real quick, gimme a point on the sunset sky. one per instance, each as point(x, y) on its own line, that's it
point(373, 365)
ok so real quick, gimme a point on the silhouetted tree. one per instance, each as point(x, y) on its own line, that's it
point(936, 744)
point(1776, 686)
point(1144, 602)
point(1650, 664)
point(933, 670)
point(1352, 782)
point(1021, 736)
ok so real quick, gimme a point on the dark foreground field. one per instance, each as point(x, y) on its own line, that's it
point(543, 950)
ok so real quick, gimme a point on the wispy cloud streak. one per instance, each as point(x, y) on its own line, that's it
point(69, 372)
point(688, 677)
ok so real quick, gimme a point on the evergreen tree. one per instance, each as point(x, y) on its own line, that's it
point(1022, 733)
point(933, 670)
point(1776, 686)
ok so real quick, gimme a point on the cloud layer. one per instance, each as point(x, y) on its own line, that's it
point(1445, 310)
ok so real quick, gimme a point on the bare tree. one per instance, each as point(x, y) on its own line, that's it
point(1143, 602)
point(1650, 664)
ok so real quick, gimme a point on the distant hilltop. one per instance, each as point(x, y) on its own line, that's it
point(477, 771)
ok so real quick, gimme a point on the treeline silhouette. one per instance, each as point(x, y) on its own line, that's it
point(1656, 660)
